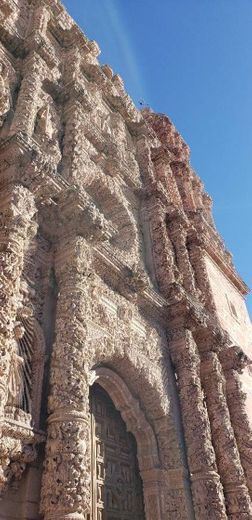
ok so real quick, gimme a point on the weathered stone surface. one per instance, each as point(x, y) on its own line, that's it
point(112, 273)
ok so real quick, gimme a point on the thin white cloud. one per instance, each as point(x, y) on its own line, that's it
point(122, 39)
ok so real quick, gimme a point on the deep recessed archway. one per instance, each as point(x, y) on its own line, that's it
point(137, 424)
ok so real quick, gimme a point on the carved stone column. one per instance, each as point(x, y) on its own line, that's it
point(66, 478)
point(178, 234)
point(196, 254)
point(77, 104)
point(16, 230)
point(233, 362)
point(74, 141)
point(228, 459)
point(27, 103)
point(183, 176)
point(164, 265)
point(206, 487)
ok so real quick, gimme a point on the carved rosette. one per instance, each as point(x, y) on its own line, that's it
point(206, 487)
point(233, 362)
point(227, 454)
point(66, 478)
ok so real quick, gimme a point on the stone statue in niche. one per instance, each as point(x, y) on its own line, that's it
point(16, 383)
point(5, 97)
point(47, 130)
point(20, 379)
point(102, 120)
point(44, 123)
point(105, 124)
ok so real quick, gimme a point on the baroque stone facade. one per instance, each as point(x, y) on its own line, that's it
point(113, 277)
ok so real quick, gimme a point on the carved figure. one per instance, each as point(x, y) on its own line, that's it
point(45, 124)
point(16, 381)
point(5, 97)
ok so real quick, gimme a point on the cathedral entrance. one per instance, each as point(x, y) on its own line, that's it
point(117, 491)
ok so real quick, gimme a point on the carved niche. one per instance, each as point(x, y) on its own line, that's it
point(47, 130)
point(20, 423)
point(26, 373)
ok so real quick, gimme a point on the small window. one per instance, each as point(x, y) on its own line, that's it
point(232, 308)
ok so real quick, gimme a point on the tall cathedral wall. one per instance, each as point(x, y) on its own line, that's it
point(113, 274)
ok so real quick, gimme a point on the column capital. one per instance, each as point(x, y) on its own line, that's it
point(234, 358)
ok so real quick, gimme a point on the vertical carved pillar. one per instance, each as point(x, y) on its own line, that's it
point(196, 254)
point(27, 103)
point(178, 235)
point(164, 174)
point(232, 363)
point(227, 454)
point(206, 487)
point(66, 478)
point(183, 177)
point(74, 140)
point(16, 230)
point(76, 108)
point(208, 209)
point(162, 249)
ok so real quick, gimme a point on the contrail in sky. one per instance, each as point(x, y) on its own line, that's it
point(122, 39)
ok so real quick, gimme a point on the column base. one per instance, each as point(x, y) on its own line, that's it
point(67, 516)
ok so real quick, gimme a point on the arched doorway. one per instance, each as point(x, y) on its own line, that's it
point(117, 490)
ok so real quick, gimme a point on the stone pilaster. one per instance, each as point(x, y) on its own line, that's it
point(74, 153)
point(29, 94)
point(162, 250)
point(197, 254)
point(183, 176)
point(17, 227)
point(206, 487)
point(227, 455)
point(178, 234)
point(234, 362)
point(66, 478)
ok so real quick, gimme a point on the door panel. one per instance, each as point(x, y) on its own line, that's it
point(116, 483)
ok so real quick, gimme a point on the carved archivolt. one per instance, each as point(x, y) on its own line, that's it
point(137, 424)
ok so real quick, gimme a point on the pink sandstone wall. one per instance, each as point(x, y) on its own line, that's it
point(234, 318)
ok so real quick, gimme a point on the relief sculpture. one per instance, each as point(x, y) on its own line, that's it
point(5, 96)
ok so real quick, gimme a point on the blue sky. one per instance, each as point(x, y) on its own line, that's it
point(191, 59)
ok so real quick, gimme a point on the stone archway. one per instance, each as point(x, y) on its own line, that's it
point(137, 424)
